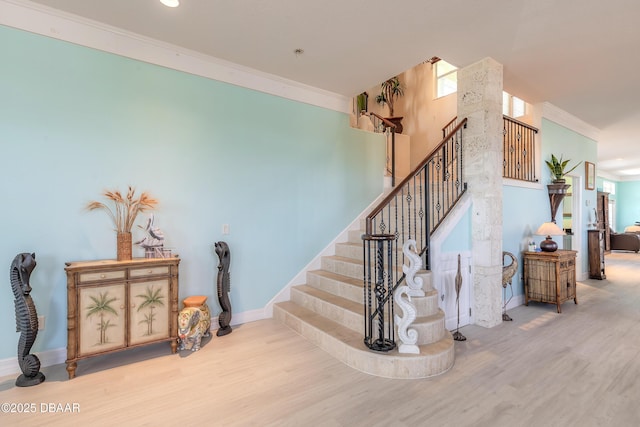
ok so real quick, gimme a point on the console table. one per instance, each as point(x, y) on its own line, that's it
point(116, 305)
point(550, 277)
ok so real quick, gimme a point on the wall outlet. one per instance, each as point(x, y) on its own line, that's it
point(40, 323)
point(225, 228)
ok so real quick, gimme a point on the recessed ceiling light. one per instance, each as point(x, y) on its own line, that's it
point(170, 3)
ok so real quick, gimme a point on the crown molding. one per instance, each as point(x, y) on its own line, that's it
point(49, 22)
point(561, 117)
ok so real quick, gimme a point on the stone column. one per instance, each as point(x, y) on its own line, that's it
point(480, 101)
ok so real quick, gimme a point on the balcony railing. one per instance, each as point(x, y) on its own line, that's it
point(519, 161)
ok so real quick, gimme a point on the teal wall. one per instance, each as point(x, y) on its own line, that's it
point(460, 237)
point(287, 177)
point(627, 204)
point(525, 209)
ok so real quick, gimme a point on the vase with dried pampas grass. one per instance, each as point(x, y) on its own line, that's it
point(124, 212)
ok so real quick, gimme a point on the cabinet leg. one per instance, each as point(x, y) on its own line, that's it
point(575, 299)
point(559, 308)
point(71, 369)
point(174, 346)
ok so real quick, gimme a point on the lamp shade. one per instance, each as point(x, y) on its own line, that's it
point(549, 229)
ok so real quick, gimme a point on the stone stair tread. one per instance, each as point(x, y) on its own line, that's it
point(353, 261)
point(356, 339)
point(434, 358)
point(339, 277)
point(428, 319)
point(359, 245)
point(345, 259)
point(328, 311)
point(331, 298)
point(321, 322)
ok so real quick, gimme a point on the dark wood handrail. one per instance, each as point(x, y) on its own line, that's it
point(413, 173)
point(449, 124)
point(518, 122)
point(383, 120)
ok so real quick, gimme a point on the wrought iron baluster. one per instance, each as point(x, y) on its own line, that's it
point(413, 210)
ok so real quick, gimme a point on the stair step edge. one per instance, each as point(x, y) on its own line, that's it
point(330, 298)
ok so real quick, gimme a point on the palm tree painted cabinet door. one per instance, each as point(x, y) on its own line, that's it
point(102, 314)
point(149, 314)
point(113, 305)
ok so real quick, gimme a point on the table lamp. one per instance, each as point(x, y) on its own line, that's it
point(549, 229)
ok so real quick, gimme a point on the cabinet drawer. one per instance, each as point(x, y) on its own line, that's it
point(148, 271)
point(101, 275)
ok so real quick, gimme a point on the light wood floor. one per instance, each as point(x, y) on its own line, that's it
point(578, 368)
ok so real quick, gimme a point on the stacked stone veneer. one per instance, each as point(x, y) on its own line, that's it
point(480, 101)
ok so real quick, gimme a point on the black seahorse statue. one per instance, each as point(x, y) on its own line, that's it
point(224, 287)
point(26, 319)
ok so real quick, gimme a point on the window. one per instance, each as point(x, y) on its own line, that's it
point(513, 106)
point(608, 187)
point(446, 78)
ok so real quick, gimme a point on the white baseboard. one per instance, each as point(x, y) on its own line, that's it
point(314, 264)
point(516, 301)
point(47, 358)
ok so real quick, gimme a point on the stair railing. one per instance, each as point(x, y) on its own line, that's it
point(412, 211)
point(446, 130)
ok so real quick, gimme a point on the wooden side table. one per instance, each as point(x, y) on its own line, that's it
point(550, 277)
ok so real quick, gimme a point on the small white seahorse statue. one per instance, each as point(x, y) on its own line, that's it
point(413, 288)
point(410, 250)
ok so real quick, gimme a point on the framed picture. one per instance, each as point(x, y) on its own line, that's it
point(590, 176)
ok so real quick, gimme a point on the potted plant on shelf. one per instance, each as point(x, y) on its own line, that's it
point(392, 89)
point(557, 189)
point(557, 167)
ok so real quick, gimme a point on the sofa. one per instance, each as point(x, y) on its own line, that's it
point(625, 242)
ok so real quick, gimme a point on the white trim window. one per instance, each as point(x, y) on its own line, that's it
point(446, 76)
point(513, 106)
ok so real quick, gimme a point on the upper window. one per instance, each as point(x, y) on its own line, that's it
point(446, 78)
point(608, 187)
point(513, 106)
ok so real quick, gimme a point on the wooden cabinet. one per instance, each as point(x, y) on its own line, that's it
point(596, 254)
point(602, 210)
point(550, 277)
point(115, 305)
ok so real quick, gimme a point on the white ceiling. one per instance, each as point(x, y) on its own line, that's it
point(582, 56)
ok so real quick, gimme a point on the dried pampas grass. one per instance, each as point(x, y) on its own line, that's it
point(126, 208)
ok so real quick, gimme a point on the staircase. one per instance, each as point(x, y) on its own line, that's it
point(328, 311)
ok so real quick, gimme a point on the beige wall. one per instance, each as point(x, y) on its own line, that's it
point(423, 115)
